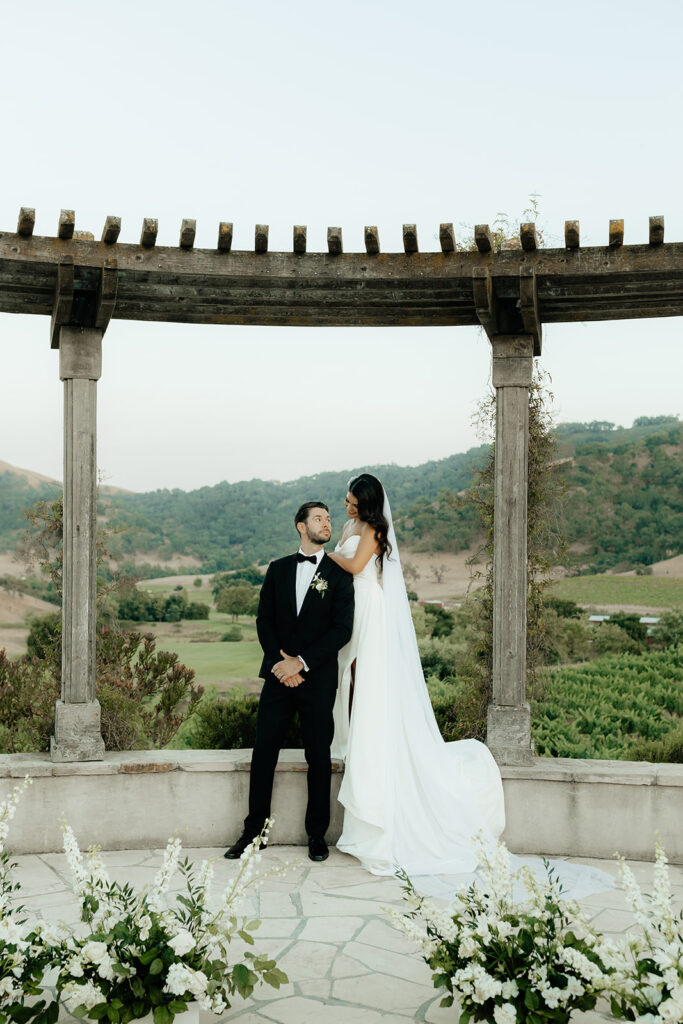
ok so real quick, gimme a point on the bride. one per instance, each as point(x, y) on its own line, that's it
point(410, 799)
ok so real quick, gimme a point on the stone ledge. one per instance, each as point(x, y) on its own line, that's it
point(143, 762)
point(619, 773)
point(137, 799)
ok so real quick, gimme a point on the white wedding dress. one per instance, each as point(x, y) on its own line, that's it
point(411, 800)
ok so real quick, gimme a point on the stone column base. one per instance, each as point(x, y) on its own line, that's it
point(77, 732)
point(508, 733)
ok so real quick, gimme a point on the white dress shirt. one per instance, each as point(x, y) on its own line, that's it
point(305, 571)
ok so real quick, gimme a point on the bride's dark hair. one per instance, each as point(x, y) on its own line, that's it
point(369, 493)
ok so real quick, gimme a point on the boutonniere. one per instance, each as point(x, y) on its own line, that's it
point(320, 584)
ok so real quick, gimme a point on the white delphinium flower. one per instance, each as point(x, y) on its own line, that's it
point(468, 946)
point(8, 808)
point(163, 877)
point(634, 895)
point(87, 994)
point(9, 989)
point(496, 872)
point(169, 922)
point(637, 985)
point(99, 876)
point(585, 967)
point(11, 931)
point(661, 897)
point(509, 989)
point(205, 879)
point(218, 1004)
point(245, 876)
point(574, 987)
point(505, 1014)
point(52, 933)
point(74, 859)
point(74, 966)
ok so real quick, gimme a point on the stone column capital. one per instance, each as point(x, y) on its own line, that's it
point(513, 360)
point(80, 353)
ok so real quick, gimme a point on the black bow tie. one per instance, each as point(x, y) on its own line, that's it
point(306, 558)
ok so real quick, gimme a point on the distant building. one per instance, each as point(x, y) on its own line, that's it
point(646, 620)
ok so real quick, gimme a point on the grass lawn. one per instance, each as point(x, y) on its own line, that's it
point(217, 662)
point(197, 644)
point(655, 591)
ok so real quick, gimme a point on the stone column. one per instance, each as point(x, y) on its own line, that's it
point(77, 723)
point(509, 725)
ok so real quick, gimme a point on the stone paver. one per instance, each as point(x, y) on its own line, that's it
point(325, 925)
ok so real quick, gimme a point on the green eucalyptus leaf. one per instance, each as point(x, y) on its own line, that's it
point(162, 1015)
point(149, 955)
point(97, 1012)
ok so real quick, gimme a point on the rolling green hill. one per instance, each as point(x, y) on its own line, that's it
point(623, 501)
point(623, 506)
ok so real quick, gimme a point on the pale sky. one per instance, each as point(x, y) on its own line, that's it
point(348, 113)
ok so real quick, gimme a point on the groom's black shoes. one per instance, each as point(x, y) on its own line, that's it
point(236, 851)
point(317, 849)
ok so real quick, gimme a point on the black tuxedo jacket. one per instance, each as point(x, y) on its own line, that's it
point(321, 629)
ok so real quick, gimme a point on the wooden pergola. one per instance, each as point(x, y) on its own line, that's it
point(81, 284)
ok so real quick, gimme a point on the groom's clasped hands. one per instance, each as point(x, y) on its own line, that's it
point(288, 671)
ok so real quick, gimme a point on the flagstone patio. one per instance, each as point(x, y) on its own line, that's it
point(325, 925)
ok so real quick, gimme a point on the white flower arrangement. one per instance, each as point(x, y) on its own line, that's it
point(506, 961)
point(649, 985)
point(23, 959)
point(142, 954)
point(320, 584)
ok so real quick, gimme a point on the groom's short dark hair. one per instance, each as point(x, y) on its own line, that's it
point(302, 514)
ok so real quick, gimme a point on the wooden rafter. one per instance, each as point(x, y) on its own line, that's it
point(515, 290)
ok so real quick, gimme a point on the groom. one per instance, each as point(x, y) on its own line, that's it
point(305, 616)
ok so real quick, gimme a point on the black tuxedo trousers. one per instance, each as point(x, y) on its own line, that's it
point(317, 633)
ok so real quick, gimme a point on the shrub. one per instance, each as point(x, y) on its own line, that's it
point(565, 639)
point(196, 610)
point(669, 630)
point(632, 625)
point(28, 691)
point(144, 693)
point(439, 657)
point(229, 723)
point(137, 606)
point(233, 634)
point(612, 639)
point(441, 623)
point(44, 633)
point(564, 608)
point(669, 749)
